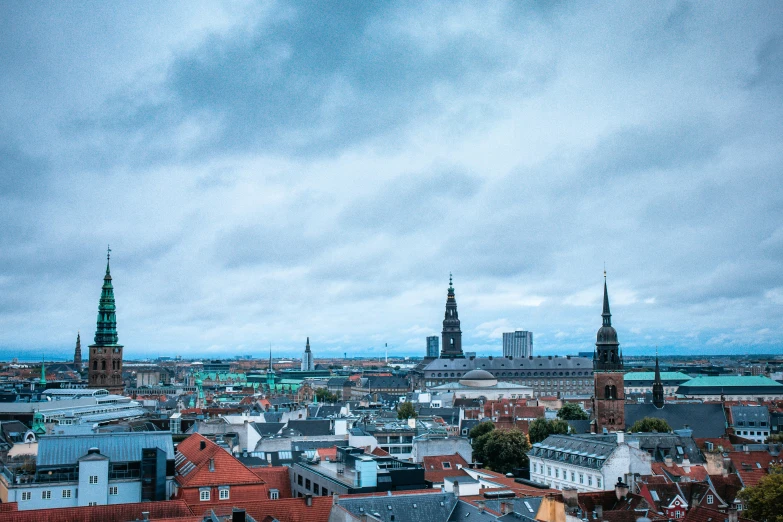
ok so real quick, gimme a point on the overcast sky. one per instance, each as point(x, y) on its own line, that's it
point(268, 171)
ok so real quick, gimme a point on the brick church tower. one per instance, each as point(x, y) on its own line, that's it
point(105, 364)
point(609, 393)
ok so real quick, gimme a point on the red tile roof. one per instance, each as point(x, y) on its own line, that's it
point(284, 510)
point(702, 514)
point(110, 513)
point(751, 466)
point(194, 470)
point(275, 477)
point(696, 472)
point(437, 468)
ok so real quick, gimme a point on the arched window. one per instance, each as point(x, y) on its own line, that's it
point(95, 365)
point(610, 391)
point(103, 365)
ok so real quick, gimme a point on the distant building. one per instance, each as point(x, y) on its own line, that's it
point(77, 353)
point(732, 388)
point(308, 364)
point(518, 344)
point(432, 347)
point(642, 382)
point(477, 384)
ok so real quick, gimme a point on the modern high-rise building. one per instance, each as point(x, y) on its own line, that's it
point(433, 346)
point(105, 365)
point(308, 364)
point(518, 344)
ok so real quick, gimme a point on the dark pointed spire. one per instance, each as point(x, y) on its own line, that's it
point(77, 354)
point(307, 346)
point(657, 387)
point(606, 314)
point(451, 284)
point(451, 336)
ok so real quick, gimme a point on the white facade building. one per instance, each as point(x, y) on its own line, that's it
point(584, 462)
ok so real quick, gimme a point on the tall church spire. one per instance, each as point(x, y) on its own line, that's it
point(105, 363)
point(657, 387)
point(77, 353)
point(451, 337)
point(308, 364)
point(607, 349)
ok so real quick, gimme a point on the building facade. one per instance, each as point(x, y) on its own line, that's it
point(433, 347)
point(93, 470)
point(451, 346)
point(751, 422)
point(308, 364)
point(587, 463)
point(105, 364)
point(609, 393)
point(518, 344)
point(731, 388)
point(642, 382)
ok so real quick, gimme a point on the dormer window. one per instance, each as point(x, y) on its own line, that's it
point(446, 465)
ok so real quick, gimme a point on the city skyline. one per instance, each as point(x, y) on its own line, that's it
point(265, 174)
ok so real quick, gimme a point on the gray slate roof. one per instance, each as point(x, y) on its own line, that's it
point(55, 450)
point(583, 447)
point(743, 415)
point(311, 427)
point(706, 420)
point(435, 507)
point(268, 428)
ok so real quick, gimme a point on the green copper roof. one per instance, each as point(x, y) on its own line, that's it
point(732, 380)
point(650, 376)
point(106, 331)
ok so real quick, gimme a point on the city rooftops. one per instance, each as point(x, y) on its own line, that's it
point(639, 377)
point(716, 385)
point(57, 450)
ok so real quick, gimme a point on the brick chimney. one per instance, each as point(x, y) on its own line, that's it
point(456, 488)
point(309, 500)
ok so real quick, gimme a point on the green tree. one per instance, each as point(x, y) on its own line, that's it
point(764, 500)
point(478, 439)
point(325, 395)
point(649, 424)
point(572, 411)
point(504, 450)
point(541, 428)
point(406, 411)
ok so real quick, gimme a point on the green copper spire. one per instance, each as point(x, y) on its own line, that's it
point(43, 372)
point(38, 427)
point(106, 331)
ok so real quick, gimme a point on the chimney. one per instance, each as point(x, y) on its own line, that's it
point(238, 515)
point(456, 488)
point(309, 500)
point(668, 461)
point(211, 465)
point(335, 499)
point(733, 517)
point(145, 515)
point(506, 507)
point(570, 497)
point(686, 463)
point(620, 489)
point(480, 506)
point(203, 445)
point(599, 512)
point(620, 437)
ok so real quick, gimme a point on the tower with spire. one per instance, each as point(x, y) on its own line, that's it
point(77, 354)
point(657, 387)
point(105, 363)
point(308, 364)
point(451, 336)
point(609, 392)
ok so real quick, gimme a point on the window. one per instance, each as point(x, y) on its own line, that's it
point(598, 482)
point(204, 495)
point(589, 480)
point(113, 490)
point(447, 465)
point(92, 504)
point(299, 480)
point(573, 477)
point(66, 493)
point(46, 494)
point(557, 472)
point(325, 492)
point(549, 470)
point(709, 499)
point(93, 479)
point(581, 479)
point(27, 495)
point(316, 489)
point(307, 484)
point(274, 494)
point(223, 494)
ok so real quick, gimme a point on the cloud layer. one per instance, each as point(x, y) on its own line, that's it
point(268, 172)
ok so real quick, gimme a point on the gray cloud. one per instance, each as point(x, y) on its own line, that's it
point(266, 172)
